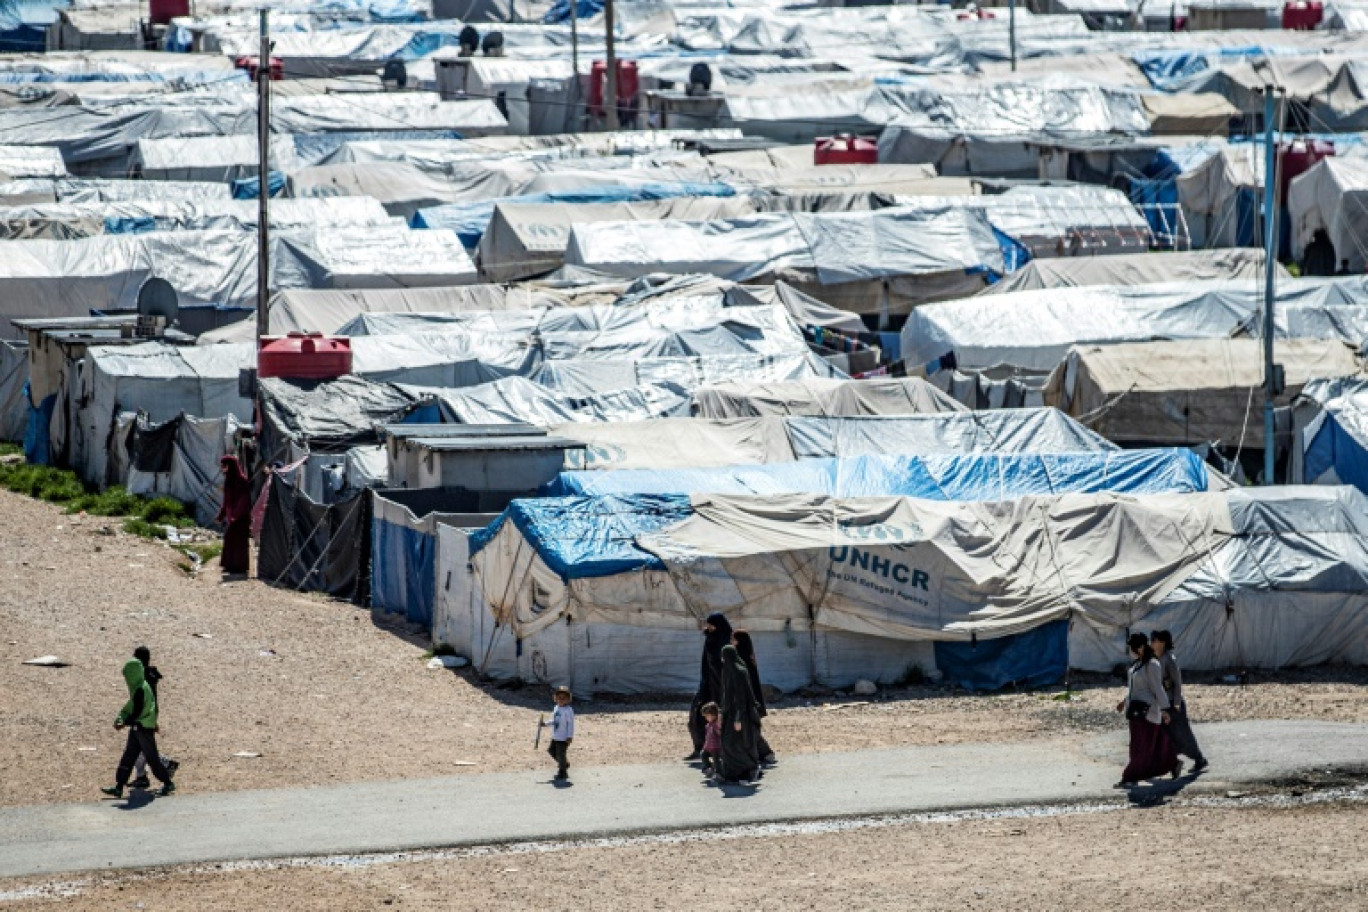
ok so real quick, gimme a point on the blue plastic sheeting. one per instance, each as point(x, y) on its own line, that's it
point(1036, 658)
point(402, 571)
point(23, 24)
point(560, 11)
point(138, 224)
point(1335, 448)
point(1014, 253)
point(974, 476)
point(37, 435)
point(469, 220)
point(581, 537)
point(1167, 70)
point(249, 188)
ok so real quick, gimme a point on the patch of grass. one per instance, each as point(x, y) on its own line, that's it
point(145, 517)
point(11, 449)
point(166, 511)
point(115, 501)
point(205, 552)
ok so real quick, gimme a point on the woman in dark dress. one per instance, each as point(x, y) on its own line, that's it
point(1147, 711)
point(236, 517)
point(746, 650)
point(740, 761)
point(717, 632)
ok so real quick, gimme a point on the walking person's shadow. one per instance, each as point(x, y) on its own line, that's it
point(1158, 792)
point(136, 800)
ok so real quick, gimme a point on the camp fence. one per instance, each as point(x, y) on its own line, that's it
point(835, 590)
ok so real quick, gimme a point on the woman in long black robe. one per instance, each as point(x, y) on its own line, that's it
point(746, 650)
point(740, 760)
point(717, 632)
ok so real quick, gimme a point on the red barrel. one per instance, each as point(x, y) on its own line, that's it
point(627, 85)
point(163, 11)
point(845, 149)
point(1302, 16)
point(250, 65)
point(304, 356)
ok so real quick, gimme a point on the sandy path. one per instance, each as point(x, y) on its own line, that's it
point(332, 679)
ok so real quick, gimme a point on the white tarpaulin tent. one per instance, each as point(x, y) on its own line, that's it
point(1136, 269)
point(830, 398)
point(1333, 197)
point(162, 381)
point(817, 578)
point(529, 239)
point(1186, 392)
point(889, 259)
point(700, 442)
point(1034, 329)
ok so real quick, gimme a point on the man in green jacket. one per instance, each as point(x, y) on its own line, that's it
point(140, 715)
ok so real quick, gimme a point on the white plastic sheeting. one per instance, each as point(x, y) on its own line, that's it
point(1333, 197)
point(526, 239)
point(195, 477)
point(1270, 578)
point(834, 248)
point(1136, 269)
point(71, 278)
point(1288, 589)
point(209, 158)
point(1187, 392)
point(67, 221)
point(711, 443)
point(160, 380)
point(1034, 329)
point(829, 398)
point(43, 278)
point(31, 161)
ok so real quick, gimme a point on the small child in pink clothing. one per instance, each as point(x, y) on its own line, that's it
point(712, 737)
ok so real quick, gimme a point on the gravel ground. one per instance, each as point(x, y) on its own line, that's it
point(309, 683)
point(1173, 857)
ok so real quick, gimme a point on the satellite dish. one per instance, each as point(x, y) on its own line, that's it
point(157, 298)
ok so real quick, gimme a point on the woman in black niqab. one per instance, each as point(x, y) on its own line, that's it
point(740, 760)
point(746, 650)
point(717, 633)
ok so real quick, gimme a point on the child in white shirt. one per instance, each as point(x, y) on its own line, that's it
point(562, 732)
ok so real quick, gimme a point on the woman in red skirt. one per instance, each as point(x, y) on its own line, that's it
point(1147, 710)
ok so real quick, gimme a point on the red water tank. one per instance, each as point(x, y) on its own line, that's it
point(304, 356)
point(250, 65)
point(1302, 15)
point(163, 11)
point(627, 85)
point(1299, 156)
point(844, 149)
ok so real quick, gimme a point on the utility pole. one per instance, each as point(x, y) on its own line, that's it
point(1011, 30)
point(1270, 262)
point(611, 100)
point(263, 75)
point(577, 96)
point(574, 41)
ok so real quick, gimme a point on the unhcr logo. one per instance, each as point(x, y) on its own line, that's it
point(881, 566)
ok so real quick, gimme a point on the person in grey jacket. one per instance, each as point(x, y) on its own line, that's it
point(1180, 730)
point(1147, 711)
